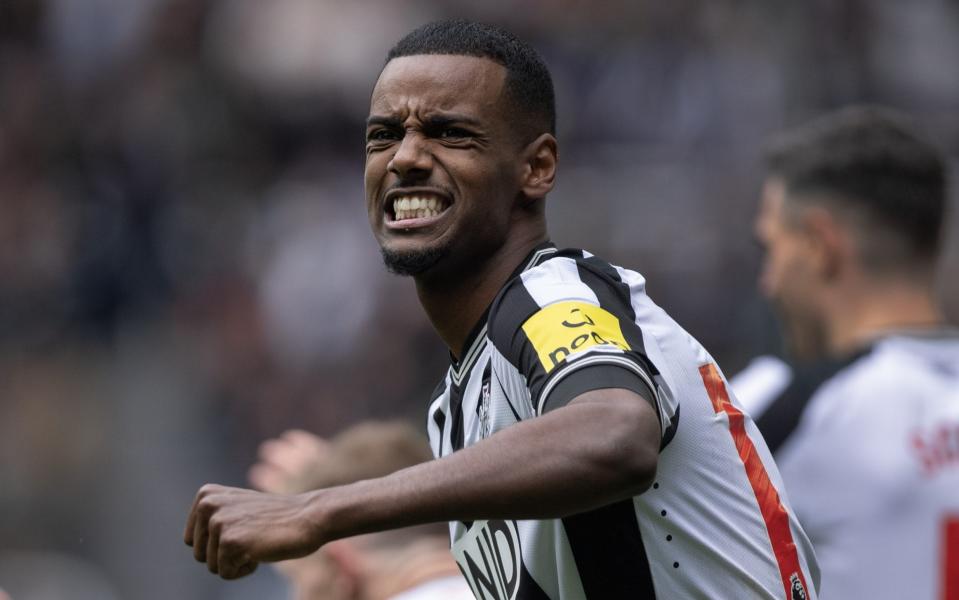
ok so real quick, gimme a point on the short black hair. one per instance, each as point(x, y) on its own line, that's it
point(528, 82)
point(870, 162)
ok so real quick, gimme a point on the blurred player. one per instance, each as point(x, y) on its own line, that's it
point(586, 444)
point(405, 564)
point(866, 430)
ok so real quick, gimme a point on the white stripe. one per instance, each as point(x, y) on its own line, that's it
point(458, 375)
point(555, 281)
point(593, 360)
point(539, 254)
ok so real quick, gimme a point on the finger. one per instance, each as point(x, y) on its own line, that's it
point(259, 476)
point(212, 548)
point(200, 533)
point(266, 478)
point(242, 571)
point(232, 565)
point(191, 521)
point(247, 569)
point(311, 447)
point(306, 440)
point(271, 449)
point(228, 569)
point(285, 464)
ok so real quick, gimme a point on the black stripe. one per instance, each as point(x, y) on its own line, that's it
point(670, 432)
point(510, 310)
point(614, 296)
point(438, 416)
point(528, 588)
point(609, 552)
point(780, 419)
point(456, 414)
point(597, 377)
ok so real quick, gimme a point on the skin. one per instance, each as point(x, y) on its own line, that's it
point(448, 134)
point(829, 302)
point(599, 449)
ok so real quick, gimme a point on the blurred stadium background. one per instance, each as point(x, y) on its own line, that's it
point(185, 265)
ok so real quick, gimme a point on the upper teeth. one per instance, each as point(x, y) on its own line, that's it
point(417, 207)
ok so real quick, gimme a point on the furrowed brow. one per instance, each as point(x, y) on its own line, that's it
point(384, 121)
point(451, 119)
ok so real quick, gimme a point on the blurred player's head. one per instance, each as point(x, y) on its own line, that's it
point(357, 568)
point(460, 148)
point(852, 201)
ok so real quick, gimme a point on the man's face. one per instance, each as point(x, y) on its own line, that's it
point(442, 164)
point(789, 279)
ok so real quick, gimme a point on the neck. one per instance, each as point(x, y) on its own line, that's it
point(454, 302)
point(879, 310)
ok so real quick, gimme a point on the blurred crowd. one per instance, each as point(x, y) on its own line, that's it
point(186, 268)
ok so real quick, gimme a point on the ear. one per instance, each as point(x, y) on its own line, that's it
point(831, 244)
point(540, 158)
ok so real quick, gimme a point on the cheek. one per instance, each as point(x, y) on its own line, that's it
point(373, 179)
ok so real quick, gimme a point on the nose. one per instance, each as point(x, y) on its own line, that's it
point(412, 157)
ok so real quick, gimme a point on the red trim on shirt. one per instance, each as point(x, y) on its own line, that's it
point(950, 559)
point(773, 512)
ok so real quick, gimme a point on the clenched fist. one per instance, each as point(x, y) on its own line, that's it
point(232, 529)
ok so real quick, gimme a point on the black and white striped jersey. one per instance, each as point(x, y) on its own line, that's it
point(713, 525)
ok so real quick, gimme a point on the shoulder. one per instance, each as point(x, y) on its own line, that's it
point(569, 275)
point(879, 397)
point(874, 375)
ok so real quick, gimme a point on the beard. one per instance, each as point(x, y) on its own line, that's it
point(413, 262)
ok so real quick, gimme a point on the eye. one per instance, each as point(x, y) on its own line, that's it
point(382, 135)
point(454, 133)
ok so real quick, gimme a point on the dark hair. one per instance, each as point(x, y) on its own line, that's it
point(871, 163)
point(528, 82)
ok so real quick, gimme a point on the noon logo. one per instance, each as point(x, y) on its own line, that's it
point(489, 556)
point(565, 328)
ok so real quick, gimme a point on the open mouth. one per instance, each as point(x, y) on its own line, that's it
point(412, 207)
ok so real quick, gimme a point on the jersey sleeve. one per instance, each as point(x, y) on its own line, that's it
point(568, 331)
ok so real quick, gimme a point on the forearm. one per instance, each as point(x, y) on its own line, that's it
point(579, 457)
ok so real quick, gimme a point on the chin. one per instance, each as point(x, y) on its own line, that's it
point(412, 262)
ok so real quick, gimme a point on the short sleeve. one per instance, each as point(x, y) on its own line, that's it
point(570, 331)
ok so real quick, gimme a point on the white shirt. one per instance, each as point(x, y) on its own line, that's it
point(872, 471)
point(447, 588)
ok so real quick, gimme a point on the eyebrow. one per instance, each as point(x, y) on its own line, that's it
point(431, 121)
point(386, 121)
point(451, 119)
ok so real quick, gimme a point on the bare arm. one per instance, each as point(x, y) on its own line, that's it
point(600, 448)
